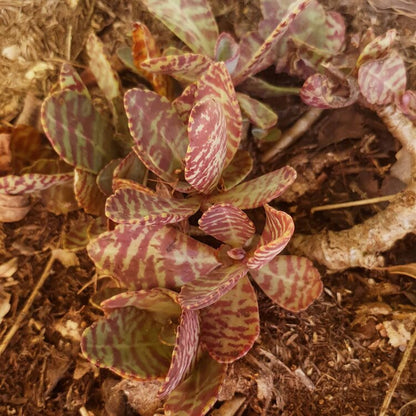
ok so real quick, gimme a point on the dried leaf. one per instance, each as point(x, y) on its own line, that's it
point(65, 257)
point(69, 79)
point(405, 269)
point(13, 208)
point(4, 303)
point(9, 268)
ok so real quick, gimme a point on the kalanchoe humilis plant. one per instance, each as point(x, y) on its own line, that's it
point(217, 303)
point(195, 25)
point(200, 159)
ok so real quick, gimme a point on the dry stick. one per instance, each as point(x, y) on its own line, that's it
point(293, 133)
point(397, 375)
point(8, 337)
point(359, 246)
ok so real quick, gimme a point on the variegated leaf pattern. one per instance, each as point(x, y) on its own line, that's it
point(258, 191)
point(199, 392)
point(77, 132)
point(228, 224)
point(184, 352)
point(132, 206)
point(381, 81)
point(160, 302)
point(105, 177)
point(205, 157)
point(127, 343)
point(321, 92)
point(185, 68)
point(32, 182)
point(274, 238)
point(87, 192)
point(230, 326)
point(216, 81)
point(69, 79)
point(259, 60)
point(184, 103)
point(206, 290)
point(192, 21)
point(76, 236)
point(227, 50)
point(377, 48)
point(237, 170)
point(258, 113)
point(290, 281)
point(158, 132)
point(107, 78)
point(142, 257)
point(144, 47)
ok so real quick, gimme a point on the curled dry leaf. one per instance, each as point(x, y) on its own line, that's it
point(14, 207)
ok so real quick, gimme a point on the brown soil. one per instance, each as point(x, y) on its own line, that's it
point(333, 359)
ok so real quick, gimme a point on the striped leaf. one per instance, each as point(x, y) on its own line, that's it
point(230, 326)
point(184, 103)
point(142, 257)
point(276, 234)
point(105, 177)
point(134, 207)
point(107, 78)
point(261, 57)
point(216, 82)
point(69, 79)
point(258, 113)
point(87, 192)
point(144, 47)
point(76, 236)
point(259, 191)
point(206, 290)
point(198, 393)
point(77, 132)
point(227, 50)
point(322, 92)
point(131, 167)
point(191, 21)
point(228, 224)
point(186, 68)
point(377, 48)
point(184, 352)
point(160, 302)
point(127, 343)
point(381, 81)
point(290, 281)
point(237, 170)
point(32, 182)
point(205, 157)
point(158, 132)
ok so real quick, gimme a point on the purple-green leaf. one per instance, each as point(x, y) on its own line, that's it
point(274, 238)
point(127, 342)
point(184, 103)
point(260, 88)
point(87, 192)
point(381, 81)
point(207, 289)
point(184, 352)
point(323, 92)
point(230, 326)
point(228, 224)
point(192, 21)
point(207, 132)
point(143, 257)
point(258, 191)
point(237, 170)
point(77, 132)
point(132, 168)
point(69, 79)
point(258, 113)
point(32, 182)
point(216, 82)
point(227, 50)
point(290, 281)
point(261, 58)
point(105, 176)
point(135, 207)
point(185, 68)
point(158, 132)
point(198, 393)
